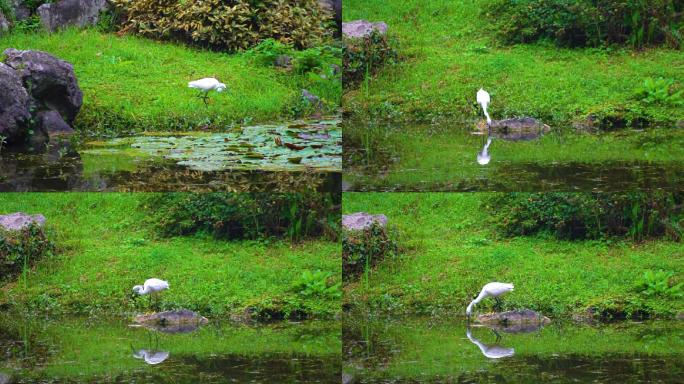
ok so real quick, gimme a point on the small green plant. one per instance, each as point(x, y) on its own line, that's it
point(317, 284)
point(29, 25)
point(364, 57)
point(660, 91)
point(659, 283)
point(20, 249)
point(363, 249)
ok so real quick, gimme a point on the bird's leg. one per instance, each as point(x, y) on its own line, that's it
point(205, 99)
point(498, 336)
point(497, 306)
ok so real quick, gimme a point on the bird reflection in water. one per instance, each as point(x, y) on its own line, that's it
point(151, 357)
point(491, 351)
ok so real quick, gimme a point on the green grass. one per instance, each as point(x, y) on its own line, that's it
point(133, 84)
point(451, 251)
point(105, 247)
point(450, 51)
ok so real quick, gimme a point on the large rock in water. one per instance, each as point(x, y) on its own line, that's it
point(362, 28)
point(64, 13)
point(14, 106)
point(514, 318)
point(362, 220)
point(171, 319)
point(51, 82)
point(19, 220)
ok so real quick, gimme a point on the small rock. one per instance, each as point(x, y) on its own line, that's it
point(680, 316)
point(362, 220)
point(680, 124)
point(19, 220)
point(283, 61)
point(52, 123)
point(4, 23)
point(362, 28)
point(64, 13)
point(21, 11)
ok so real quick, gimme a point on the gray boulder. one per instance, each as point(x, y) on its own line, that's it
point(19, 220)
point(334, 7)
point(362, 220)
point(51, 82)
point(14, 106)
point(64, 13)
point(4, 23)
point(21, 11)
point(362, 28)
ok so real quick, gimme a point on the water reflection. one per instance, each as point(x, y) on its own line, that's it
point(378, 350)
point(492, 350)
point(151, 357)
point(483, 157)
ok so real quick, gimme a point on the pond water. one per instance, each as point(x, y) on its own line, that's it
point(419, 350)
point(87, 351)
point(283, 157)
point(461, 157)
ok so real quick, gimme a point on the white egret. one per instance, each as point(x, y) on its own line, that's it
point(483, 157)
point(494, 290)
point(151, 286)
point(151, 357)
point(483, 99)
point(492, 351)
point(205, 85)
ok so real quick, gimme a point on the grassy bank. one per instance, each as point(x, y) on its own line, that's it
point(105, 247)
point(451, 250)
point(449, 51)
point(133, 84)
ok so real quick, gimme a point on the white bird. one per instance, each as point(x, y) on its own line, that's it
point(483, 99)
point(494, 290)
point(151, 357)
point(205, 85)
point(492, 351)
point(151, 286)
point(483, 157)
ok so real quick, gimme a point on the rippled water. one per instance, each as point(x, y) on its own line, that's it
point(285, 157)
point(457, 158)
point(87, 351)
point(418, 350)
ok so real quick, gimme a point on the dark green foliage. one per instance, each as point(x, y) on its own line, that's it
point(361, 250)
point(637, 215)
point(295, 216)
point(362, 58)
point(20, 249)
point(7, 10)
point(574, 23)
point(231, 25)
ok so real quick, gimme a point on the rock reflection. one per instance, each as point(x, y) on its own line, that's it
point(491, 351)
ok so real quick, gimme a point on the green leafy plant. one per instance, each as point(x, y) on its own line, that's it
point(660, 91)
point(234, 25)
point(20, 249)
point(364, 57)
point(317, 284)
point(659, 283)
point(361, 250)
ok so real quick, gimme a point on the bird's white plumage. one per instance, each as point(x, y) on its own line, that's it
point(151, 357)
point(483, 99)
point(492, 351)
point(207, 84)
point(494, 289)
point(151, 286)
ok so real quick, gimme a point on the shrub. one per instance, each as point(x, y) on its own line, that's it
point(361, 250)
point(246, 215)
point(20, 249)
point(589, 22)
point(637, 215)
point(363, 57)
point(659, 283)
point(317, 284)
point(660, 91)
point(231, 25)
